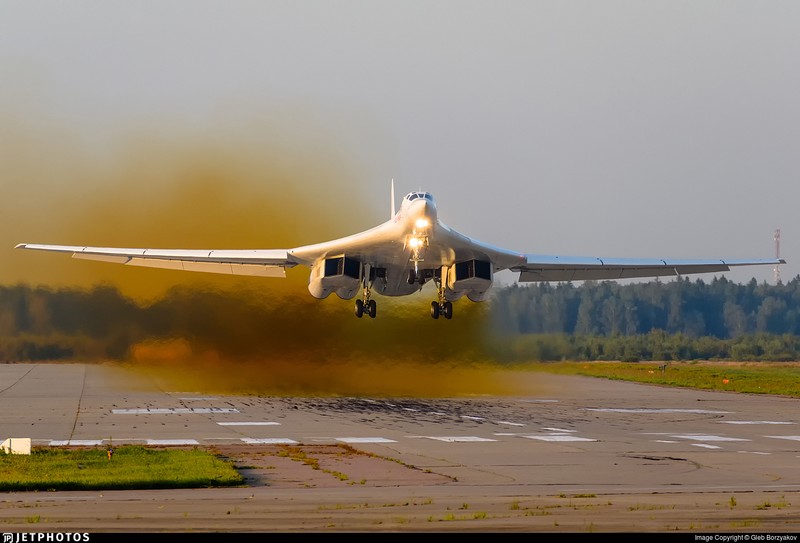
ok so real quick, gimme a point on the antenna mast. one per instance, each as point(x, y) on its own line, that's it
point(776, 270)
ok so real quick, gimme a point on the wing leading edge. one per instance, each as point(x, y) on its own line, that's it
point(566, 268)
point(257, 262)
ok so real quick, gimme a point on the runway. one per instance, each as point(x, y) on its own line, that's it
point(579, 454)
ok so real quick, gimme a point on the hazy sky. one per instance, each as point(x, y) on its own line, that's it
point(595, 128)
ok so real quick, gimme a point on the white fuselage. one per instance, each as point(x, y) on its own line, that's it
point(414, 239)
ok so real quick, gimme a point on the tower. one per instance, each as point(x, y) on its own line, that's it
point(776, 270)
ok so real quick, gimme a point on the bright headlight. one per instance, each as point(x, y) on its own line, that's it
point(422, 223)
point(414, 242)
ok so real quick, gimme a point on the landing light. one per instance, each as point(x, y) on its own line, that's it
point(415, 242)
point(422, 223)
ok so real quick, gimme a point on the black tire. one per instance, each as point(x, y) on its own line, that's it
point(448, 310)
point(435, 310)
point(372, 308)
point(359, 308)
point(412, 277)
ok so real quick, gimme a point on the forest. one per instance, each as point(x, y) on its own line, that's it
point(679, 319)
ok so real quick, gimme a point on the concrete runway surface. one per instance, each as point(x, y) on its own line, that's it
point(578, 455)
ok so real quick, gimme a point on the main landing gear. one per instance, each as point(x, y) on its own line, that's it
point(445, 309)
point(442, 306)
point(367, 304)
point(369, 307)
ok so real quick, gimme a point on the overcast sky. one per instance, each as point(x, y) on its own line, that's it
point(594, 128)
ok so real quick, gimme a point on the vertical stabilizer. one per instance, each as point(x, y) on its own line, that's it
point(393, 208)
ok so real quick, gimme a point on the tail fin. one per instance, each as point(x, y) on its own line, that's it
point(393, 208)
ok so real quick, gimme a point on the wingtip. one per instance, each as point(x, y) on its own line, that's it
point(21, 246)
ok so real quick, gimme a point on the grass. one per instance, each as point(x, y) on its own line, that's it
point(779, 378)
point(132, 467)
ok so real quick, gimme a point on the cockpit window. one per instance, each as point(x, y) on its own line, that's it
point(414, 195)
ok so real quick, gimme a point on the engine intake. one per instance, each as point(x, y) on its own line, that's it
point(472, 278)
point(340, 274)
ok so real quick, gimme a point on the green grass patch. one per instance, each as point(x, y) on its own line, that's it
point(747, 377)
point(131, 467)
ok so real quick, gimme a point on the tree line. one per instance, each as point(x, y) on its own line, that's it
point(678, 319)
point(720, 309)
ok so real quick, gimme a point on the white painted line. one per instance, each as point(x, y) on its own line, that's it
point(752, 422)
point(269, 441)
point(665, 441)
point(649, 410)
point(173, 410)
point(509, 423)
point(77, 442)
point(539, 401)
point(793, 438)
point(705, 446)
point(172, 442)
point(459, 439)
point(472, 418)
point(558, 437)
point(249, 423)
point(754, 452)
point(705, 437)
point(365, 440)
point(559, 430)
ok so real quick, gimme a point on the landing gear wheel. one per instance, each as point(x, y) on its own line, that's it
point(412, 277)
point(447, 310)
point(435, 310)
point(372, 308)
point(359, 308)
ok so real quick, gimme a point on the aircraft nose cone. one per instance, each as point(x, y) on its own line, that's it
point(425, 209)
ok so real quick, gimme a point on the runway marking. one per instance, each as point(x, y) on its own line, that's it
point(539, 401)
point(557, 437)
point(559, 430)
point(173, 410)
point(654, 410)
point(172, 442)
point(249, 423)
point(793, 438)
point(77, 442)
point(457, 439)
point(472, 418)
point(665, 441)
point(706, 446)
point(754, 452)
point(752, 422)
point(199, 399)
point(269, 441)
point(509, 423)
point(707, 437)
point(365, 440)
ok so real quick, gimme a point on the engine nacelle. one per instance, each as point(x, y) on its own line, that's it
point(472, 278)
point(341, 275)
